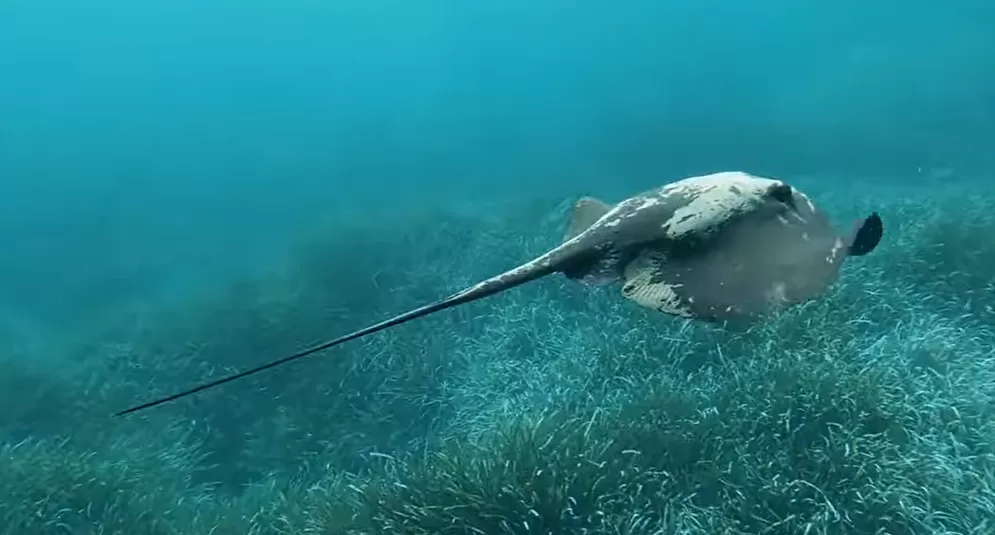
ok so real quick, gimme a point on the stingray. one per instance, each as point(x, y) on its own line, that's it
point(718, 247)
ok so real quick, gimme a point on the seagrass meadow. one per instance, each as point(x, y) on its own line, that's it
point(550, 409)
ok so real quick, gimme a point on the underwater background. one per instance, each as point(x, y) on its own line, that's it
point(189, 188)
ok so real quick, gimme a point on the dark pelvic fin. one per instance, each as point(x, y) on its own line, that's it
point(487, 288)
point(866, 235)
point(596, 269)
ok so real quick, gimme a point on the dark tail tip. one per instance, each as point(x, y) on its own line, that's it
point(866, 235)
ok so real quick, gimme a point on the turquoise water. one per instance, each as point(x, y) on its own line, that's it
point(189, 188)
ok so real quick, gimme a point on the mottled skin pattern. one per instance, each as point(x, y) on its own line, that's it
point(714, 247)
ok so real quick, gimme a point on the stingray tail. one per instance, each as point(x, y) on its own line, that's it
point(489, 287)
point(866, 235)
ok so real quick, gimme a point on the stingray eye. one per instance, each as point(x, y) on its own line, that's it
point(781, 192)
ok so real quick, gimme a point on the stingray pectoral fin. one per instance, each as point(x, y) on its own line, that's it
point(645, 286)
point(866, 235)
point(587, 211)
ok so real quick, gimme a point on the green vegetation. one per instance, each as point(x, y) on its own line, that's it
point(552, 409)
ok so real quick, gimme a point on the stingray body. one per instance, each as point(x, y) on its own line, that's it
point(715, 247)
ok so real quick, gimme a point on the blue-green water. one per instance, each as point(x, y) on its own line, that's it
point(188, 187)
